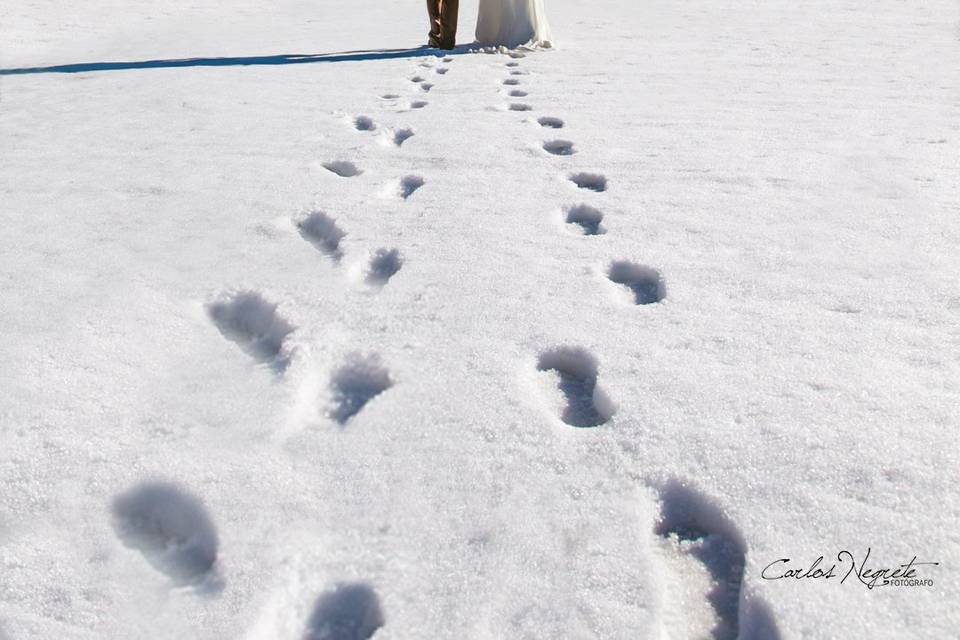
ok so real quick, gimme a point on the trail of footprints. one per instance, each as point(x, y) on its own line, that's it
point(172, 528)
point(174, 532)
point(645, 283)
point(702, 551)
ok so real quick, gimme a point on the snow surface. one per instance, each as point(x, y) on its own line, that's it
point(295, 346)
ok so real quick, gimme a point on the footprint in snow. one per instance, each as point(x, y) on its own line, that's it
point(364, 123)
point(511, 82)
point(518, 93)
point(349, 611)
point(403, 188)
point(171, 528)
point(426, 86)
point(587, 218)
point(417, 79)
point(358, 381)
point(418, 104)
point(513, 64)
point(390, 96)
point(590, 181)
point(518, 72)
point(520, 106)
point(586, 404)
point(559, 147)
point(447, 60)
point(442, 71)
point(398, 136)
point(322, 232)
point(517, 55)
point(384, 264)
point(645, 283)
point(409, 184)
point(549, 122)
point(705, 556)
point(342, 168)
point(246, 318)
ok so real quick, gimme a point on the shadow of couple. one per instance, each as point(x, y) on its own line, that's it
point(243, 61)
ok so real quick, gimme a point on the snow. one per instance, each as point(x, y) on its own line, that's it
point(367, 323)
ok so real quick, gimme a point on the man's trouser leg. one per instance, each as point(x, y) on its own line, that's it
point(448, 22)
point(433, 10)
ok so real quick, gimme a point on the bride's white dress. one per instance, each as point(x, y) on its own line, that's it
point(513, 23)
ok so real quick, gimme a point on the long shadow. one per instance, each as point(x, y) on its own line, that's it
point(245, 61)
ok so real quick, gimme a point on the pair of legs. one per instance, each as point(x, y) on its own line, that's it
point(443, 23)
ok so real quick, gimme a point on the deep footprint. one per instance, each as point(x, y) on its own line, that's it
point(645, 282)
point(518, 93)
point(519, 106)
point(695, 527)
point(342, 168)
point(383, 265)
point(426, 86)
point(170, 527)
point(322, 232)
point(559, 147)
point(589, 181)
point(587, 404)
point(244, 317)
point(511, 82)
point(350, 611)
point(358, 381)
point(418, 104)
point(549, 122)
point(442, 71)
point(587, 218)
point(364, 123)
point(406, 186)
point(400, 136)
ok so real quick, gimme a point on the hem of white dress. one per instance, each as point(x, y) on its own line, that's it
point(532, 45)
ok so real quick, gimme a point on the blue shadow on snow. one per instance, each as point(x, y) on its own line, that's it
point(247, 61)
